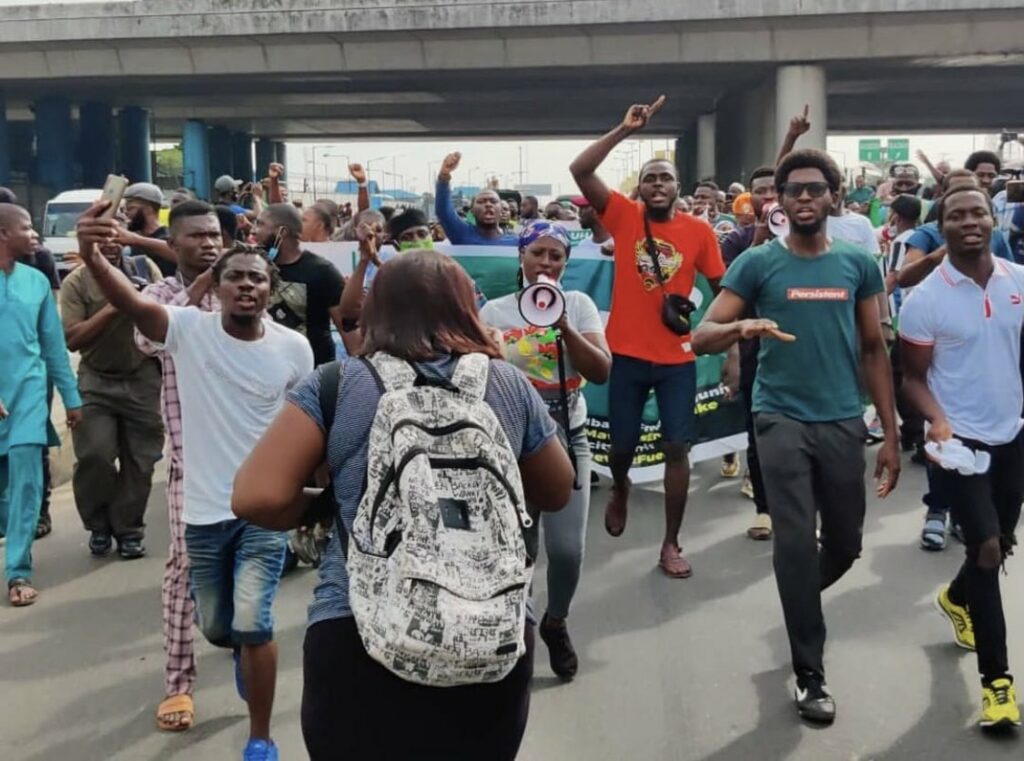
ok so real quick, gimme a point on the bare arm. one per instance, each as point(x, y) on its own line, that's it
point(269, 487)
point(918, 265)
point(878, 378)
point(153, 246)
point(917, 358)
point(722, 326)
point(584, 168)
point(588, 352)
point(798, 125)
point(931, 167)
point(149, 317)
point(83, 334)
point(274, 173)
point(547, 477)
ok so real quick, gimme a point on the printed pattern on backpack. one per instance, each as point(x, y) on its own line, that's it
point(438, 568)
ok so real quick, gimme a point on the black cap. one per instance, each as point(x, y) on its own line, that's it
point(405, 221)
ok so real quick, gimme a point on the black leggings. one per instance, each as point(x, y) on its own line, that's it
point(352, 707)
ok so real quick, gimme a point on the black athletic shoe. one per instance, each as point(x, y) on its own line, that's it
point(100, 543)
point(813, 700)
point(563, 658)
point(131, 548)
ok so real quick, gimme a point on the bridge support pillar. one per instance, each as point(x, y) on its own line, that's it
point(266, 154)
point(795, 87)
point(706, 147)
point(219, 140)
point(745, 132)
point(241, 157)
point(5, 143)
point(55, 143)
point(686, 159)
point(196, 158)
point(96, 139)
point(279, 151)
point(135, 161)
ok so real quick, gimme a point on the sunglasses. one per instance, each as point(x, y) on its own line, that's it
point(796, 189)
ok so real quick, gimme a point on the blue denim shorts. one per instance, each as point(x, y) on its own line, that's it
point(234, 570)
point(675, 388)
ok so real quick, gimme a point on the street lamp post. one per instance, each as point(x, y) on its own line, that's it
point(370, 161)
point(335, 156)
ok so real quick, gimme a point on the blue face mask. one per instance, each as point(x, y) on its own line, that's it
point(274, 250)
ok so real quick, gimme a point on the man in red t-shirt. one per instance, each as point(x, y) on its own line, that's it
point(645, 353)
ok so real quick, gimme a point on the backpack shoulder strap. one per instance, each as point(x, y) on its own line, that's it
point(330, 379)
point(141, 266)
point(390, 373)
point(470, 375)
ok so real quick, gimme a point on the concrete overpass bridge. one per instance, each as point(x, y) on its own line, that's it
point(88, 85)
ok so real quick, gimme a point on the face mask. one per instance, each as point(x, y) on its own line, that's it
point(274, 250)
point(416, 245)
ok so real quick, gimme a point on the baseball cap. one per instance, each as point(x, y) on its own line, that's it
point(226, 183)
point(144, 191)
point(743, 204)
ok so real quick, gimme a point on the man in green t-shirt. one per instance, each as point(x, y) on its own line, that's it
point(808, 416)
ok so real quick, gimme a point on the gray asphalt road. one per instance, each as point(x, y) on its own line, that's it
point(671, 670)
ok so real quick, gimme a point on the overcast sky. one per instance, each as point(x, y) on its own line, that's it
point(543, 161)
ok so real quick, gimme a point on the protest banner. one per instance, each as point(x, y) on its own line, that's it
point(720, 424)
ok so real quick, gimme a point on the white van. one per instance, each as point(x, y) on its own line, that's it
point(59, 218)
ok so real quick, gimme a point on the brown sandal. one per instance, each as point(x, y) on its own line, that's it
point(176, 704)
point(673, 564)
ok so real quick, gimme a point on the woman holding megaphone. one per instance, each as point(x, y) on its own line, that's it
point(557, 339)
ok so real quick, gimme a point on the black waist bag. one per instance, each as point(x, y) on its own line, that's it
point(675, 309)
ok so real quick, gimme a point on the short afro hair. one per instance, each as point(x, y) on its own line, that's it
point(906, 207)
point(243, 249)
point(761, 171)
point(978, 158)
point(808, 158)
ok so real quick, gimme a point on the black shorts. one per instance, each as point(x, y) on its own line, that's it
point(986, 506)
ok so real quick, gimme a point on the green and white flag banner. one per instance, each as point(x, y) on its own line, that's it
point(720, 424)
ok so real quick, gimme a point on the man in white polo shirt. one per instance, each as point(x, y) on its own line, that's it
point(961, 331)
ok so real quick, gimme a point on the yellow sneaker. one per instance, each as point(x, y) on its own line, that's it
point(999, 705)
point(731, 467)
point(963, 628)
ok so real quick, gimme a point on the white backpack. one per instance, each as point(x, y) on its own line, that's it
point(437, 562)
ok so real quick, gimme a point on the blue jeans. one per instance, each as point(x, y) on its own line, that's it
point(675, 387)
point(21, 494)
point(234, 570)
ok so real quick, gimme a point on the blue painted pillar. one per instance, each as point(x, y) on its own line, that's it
point(96, 143)
point(265, 155)
point(241, 157)
point(55, 143)
point(135, 162)
point(196, 158)
point(5, 143)
point(220, 151)
point(279, 151)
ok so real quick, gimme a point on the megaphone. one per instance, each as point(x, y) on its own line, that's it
point(542, 303)
point(778, 222)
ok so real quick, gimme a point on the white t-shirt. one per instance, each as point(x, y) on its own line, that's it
point(975, 335)
point(855, 229)
point(532, 349)
point(230, 392)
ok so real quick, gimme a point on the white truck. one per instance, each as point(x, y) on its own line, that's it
point(59, 218)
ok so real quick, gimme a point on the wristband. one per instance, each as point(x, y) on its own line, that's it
point(363, 184)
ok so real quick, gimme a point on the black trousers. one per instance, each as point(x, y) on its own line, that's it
point(352, 707)
point(811, 469)
point(748, 373)
point(986, 507)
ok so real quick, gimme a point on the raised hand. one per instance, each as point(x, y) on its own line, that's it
point(799, 125)
point(357, 173)
point(366, 234)
point(449, 165)
point(638, 115)
point(276, 171)
point(92, 229)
